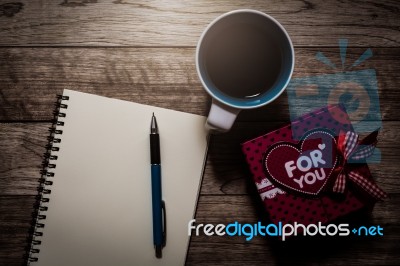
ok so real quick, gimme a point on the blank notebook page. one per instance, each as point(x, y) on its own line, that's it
point(100, 210)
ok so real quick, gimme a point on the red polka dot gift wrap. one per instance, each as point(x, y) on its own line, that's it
point(295, 169)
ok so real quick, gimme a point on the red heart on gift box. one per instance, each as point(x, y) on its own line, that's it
point(306, 166)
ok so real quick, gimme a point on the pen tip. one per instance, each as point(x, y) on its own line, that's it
point(153, 125)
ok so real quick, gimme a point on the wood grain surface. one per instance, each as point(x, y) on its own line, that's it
point(158, 76)
point(180, 23)
point(144, 51)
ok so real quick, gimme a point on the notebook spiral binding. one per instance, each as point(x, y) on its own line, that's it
point(39, 214)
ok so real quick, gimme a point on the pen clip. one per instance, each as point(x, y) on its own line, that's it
point(164, 223)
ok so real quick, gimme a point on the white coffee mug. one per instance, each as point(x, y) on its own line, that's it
point(244, 59)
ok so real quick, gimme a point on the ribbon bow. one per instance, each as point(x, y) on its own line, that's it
point(349, 147)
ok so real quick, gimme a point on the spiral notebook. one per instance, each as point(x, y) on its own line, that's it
point(94, 206)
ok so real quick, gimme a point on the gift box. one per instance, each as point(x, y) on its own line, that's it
point(313, 170)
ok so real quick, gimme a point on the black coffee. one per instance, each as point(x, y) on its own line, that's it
point(243, 61)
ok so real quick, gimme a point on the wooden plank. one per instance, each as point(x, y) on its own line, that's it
point(15, 218)
point(15, 221)
point(344, 251)
point(165, 77)
point(226, 172)
point(161, 77)
point(169, 23)
point(22, 147)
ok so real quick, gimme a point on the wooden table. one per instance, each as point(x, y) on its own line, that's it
point(144, 51)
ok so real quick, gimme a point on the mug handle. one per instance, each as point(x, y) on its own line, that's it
point(221, 117)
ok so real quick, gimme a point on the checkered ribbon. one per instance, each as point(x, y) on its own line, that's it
point(350, 148)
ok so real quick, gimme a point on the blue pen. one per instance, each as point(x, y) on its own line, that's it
point(159, 215)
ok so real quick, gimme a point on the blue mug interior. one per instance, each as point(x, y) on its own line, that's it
point(271, 27)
